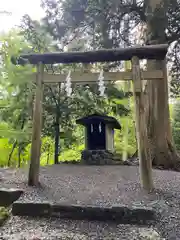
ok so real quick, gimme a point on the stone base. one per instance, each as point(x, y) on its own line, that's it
point(98, 157)
point(31, 209)
point(120, 214)
point(8, 196)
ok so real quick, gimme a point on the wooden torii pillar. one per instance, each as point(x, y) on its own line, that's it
point(145, 161)
point(33, 178)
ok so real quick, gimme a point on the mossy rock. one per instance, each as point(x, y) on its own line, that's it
point(4, 214)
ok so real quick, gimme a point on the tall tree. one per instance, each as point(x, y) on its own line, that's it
point(157, 110)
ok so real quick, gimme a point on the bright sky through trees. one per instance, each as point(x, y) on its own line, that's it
point(11, 11)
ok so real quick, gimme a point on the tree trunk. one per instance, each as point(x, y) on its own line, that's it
point(157, 111)
point(11, 153)
point(19, 157)
point(57, 137)
point(145, 161)
point(48, 156)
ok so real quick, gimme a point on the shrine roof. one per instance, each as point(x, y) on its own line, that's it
point(108, 120)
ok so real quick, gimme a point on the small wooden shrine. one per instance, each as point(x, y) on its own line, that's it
point(99, 131)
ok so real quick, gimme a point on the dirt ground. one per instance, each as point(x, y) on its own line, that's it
point(103, 186)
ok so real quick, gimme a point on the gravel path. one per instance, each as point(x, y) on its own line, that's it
point(49, 229)
point(100, 186)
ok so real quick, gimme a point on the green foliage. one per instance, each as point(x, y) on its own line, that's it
point(10, 75)
point(47, 151)
point(98, 22)
point(176, 124)
point(4, 214)
point(71, 154)
point(126, 144)
point(16, 97)
point(175, 71)
point(5, 149)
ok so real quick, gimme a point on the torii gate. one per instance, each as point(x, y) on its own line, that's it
point(134, 54)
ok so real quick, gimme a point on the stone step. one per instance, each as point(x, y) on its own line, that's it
point(120, 214)
point(9, 195)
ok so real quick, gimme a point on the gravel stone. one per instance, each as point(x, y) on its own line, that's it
point(97, 186)
point(18, 228)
